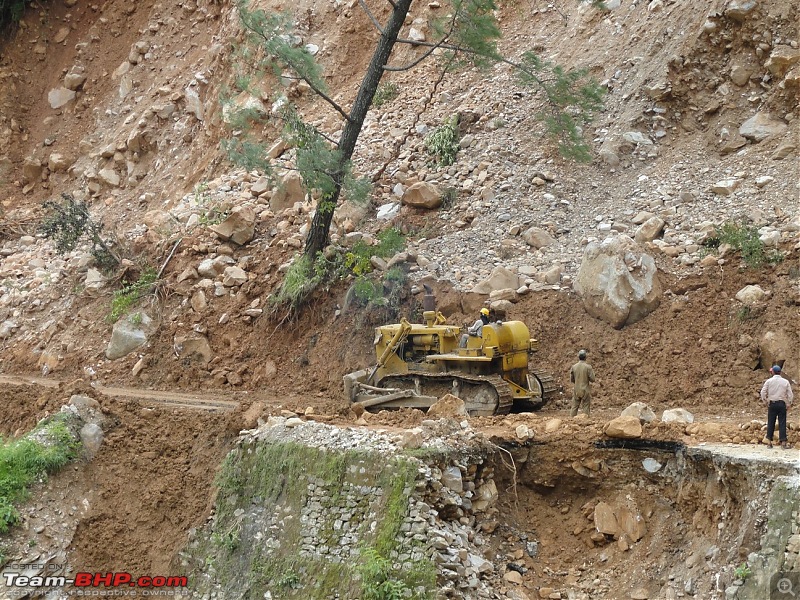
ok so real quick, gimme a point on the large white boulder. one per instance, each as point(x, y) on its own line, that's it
point(677, 415)
point(128, 334)
point(618, 281)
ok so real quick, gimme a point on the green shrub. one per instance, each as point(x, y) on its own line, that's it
point(442, 142)
point(124, 299)
point(742, 571)
point(25, 461)
point(377, 581)
point(386, 92)
point(11, 12)
point(744, 239)
point(67, 223)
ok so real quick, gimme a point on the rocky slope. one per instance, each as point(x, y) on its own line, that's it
point(700, 128)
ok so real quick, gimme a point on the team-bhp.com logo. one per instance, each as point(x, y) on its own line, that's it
point(94, 584)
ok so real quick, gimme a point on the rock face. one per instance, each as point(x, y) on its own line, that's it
point(127, 335)
point(618, 282)
point(627, 428)
point(423, 195)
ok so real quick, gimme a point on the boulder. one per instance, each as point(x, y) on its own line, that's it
point(677, 415)
point(31, 170)
point(618, 282)
point(128, 334)
point(211, 267)
point(738, 10)
point(91, 438)
point(88, 408)
point(649, 230)
point(631, 523)
point(290, 190)
point(552, 425)
point(774, 347)
point(538, 237)
point(94, 279)
point(194, 105)
point(109, 176)
point(57, 162)
point(423, 195)
point(604, 519)
point(73, 80)
point(140, 140)
point(485, 496)
point(262, 185)
point(552, 276)
point(244, 103)
point(451, 478)
point(505, 294)
point(641, 411)
point(193, 346)
point(60, 96)
point(448, 406)
point(239, 227)
point(726, 187)
point(781, 59)
point(501, 278)
point(750, 295)
point(761, 126)
point(234, 276)
point(626, 428)
point(387, 212)
point(740, 75)
point(651, 465)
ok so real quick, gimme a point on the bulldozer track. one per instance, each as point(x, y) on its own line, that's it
point(179, 400)
point(550, 389)
point(498, 384)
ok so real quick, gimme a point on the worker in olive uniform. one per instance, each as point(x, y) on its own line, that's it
point(581, 375)
point(477, 328)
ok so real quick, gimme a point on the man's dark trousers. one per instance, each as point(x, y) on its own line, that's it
point(776, 410)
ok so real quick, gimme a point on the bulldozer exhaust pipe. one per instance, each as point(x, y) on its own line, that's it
point(428, 306)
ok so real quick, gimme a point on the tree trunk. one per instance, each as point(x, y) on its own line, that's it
point(320, 226)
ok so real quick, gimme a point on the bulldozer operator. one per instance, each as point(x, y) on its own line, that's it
point(477, 328)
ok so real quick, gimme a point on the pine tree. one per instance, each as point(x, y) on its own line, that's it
point(467, 36)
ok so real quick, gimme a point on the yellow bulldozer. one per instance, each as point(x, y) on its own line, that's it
point(419, 363)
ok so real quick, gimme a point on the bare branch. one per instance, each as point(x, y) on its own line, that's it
point(425, 55)
point(401, 141)
point(414, 63)
point(372, 18)
point(454, 48)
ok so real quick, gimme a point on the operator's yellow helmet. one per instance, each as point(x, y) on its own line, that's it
point(485, 312)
